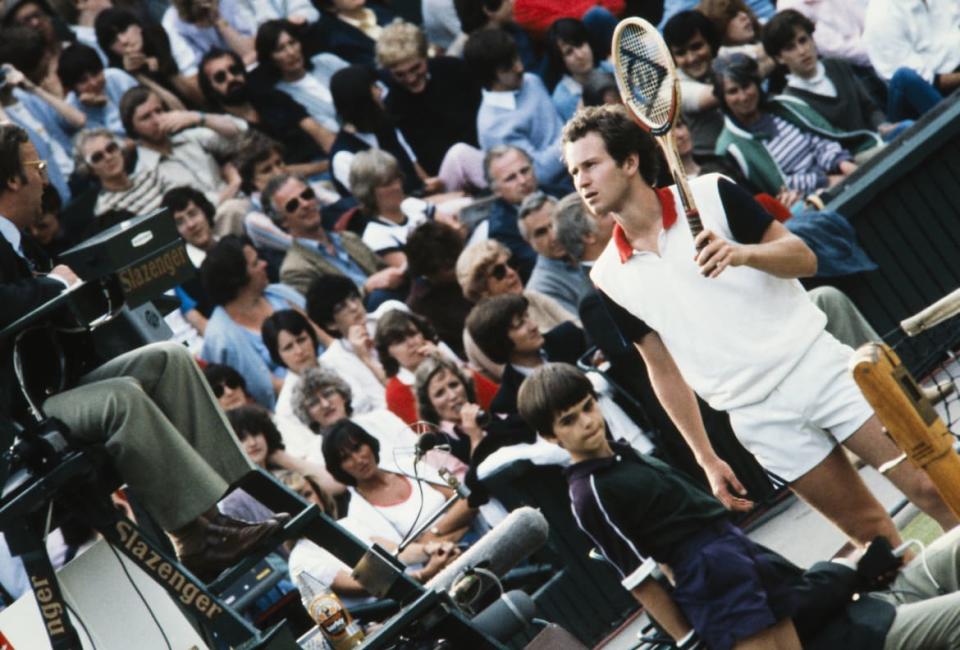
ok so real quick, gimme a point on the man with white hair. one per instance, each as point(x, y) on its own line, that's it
point(582, 235)
point(555, 273)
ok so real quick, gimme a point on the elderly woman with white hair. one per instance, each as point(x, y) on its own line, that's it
point(99, 153)
point(322, 398)
point(483, 271)
point(377, 184)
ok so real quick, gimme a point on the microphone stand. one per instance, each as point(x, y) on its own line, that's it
point(460, 491)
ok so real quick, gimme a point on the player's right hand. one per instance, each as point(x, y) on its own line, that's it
point(727, 487)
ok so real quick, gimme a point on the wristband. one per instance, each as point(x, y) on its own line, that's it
point(203, 119)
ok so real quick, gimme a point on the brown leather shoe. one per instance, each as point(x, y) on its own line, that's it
point(220, 520)
point(226, 542)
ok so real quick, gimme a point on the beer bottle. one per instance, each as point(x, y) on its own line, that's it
point(325, 608)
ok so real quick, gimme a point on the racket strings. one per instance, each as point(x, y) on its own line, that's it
point(647, 76)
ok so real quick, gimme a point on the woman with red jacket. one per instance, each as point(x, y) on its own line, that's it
point(404, 341)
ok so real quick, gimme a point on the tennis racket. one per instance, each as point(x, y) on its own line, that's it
point(650, 89)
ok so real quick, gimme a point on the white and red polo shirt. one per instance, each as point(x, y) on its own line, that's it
point(735, 337)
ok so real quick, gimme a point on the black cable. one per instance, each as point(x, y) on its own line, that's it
point(82, 624)
point(142, 599)
point(416, 519)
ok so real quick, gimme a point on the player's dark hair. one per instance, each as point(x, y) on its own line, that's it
point(621, 136)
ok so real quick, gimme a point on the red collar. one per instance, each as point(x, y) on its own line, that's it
point(668, 207)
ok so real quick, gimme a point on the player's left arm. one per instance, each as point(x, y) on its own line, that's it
point(758, 241)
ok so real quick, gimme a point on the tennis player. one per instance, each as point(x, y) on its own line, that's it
point(732, 323)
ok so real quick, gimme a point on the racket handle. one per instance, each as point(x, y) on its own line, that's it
point(696, 226)
point(680, 179)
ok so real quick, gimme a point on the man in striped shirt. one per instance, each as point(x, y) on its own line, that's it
point(99, 151)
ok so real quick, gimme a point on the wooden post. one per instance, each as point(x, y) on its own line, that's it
point(908, 417)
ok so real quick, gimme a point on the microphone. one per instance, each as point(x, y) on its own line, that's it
point(428, 441)
point(945, 308)
point(483, 419)
point(507, 616)
point(503, 547)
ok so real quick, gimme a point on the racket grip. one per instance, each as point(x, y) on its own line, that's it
point(696, 226)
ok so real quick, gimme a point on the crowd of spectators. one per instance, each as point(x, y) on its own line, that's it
point(372, 192)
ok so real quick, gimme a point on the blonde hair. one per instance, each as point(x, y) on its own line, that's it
point(474, 264)
point(81, 139)
point(296, 481)
point(399, 42)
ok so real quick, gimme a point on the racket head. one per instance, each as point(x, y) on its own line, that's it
point(645, 74)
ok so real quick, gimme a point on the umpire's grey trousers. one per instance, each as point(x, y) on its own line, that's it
point(162, 427)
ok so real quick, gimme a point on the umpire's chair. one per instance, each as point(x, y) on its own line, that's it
point(42, 471)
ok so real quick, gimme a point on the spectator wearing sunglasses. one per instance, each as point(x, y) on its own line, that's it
point(315, 253)
point(223, 81)
point(99, 153)
point(228, 385)
point(484, 270)
point(258, 159)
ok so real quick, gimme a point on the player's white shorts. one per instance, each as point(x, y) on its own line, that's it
point(816, 407)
